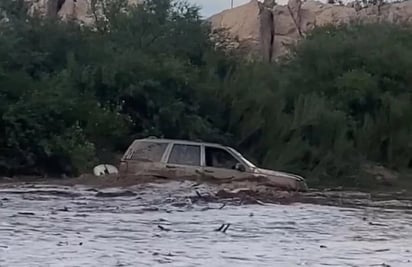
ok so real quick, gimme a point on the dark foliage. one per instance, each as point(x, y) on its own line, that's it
point(73, 95)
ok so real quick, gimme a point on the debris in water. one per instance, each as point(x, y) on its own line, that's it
point(323, 246)
point(227, 227)
point(182, 204)
point(260, 202)
point(382, 250)
point(92, 190)
point(223, 228)
point(163, 228)
point(116, 194)
point(198, 194)
point(220, 228)
point(150, 209)
point(224, 205)
point(64, 209)
point(377, 224)
point(26, 213)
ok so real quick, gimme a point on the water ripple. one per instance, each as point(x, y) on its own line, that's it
point(62, 226)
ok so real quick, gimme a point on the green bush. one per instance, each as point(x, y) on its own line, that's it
point(72, 96)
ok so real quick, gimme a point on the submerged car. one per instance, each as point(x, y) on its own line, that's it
point(178, 159)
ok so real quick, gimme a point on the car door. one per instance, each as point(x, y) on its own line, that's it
point(144, 158)
point(184, 161)
point(219, 163)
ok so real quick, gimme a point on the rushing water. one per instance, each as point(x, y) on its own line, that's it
point(62, 226)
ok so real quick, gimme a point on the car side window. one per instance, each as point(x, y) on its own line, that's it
point(219, 158)
point(185, 155)
point(147, 151)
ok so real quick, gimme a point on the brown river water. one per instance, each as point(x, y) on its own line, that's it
point(158, 225)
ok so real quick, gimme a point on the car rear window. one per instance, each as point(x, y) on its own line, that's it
point(145, 150)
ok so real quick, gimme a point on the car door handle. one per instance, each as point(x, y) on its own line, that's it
point(170, 167)
point(209, 171)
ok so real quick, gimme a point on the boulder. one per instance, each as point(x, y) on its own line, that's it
point(396, 13)
point(325, 14)
point(262, 29)
point(269, 3)
point(282, 44)
point(43, 7)
point(291, 22)
point(80, 10)
point(307, 20)
point(294, 7)
point(284, 24)
point(250, 24)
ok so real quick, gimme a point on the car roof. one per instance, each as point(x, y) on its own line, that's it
point(186, 142)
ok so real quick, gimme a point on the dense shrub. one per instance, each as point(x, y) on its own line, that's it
point(73, 95)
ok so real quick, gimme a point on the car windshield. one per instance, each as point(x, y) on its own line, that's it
point(250, 164)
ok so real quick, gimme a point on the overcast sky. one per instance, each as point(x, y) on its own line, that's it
point(210, 7)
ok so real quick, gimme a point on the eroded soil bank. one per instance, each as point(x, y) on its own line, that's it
point(236, 193)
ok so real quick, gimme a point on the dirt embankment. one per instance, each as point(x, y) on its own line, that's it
point(238, 193)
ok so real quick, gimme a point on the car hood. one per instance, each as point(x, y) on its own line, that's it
point(279, 174)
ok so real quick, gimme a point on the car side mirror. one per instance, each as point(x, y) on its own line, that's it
point(240, 167)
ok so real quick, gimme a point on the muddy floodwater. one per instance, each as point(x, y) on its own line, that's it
point(157, 225)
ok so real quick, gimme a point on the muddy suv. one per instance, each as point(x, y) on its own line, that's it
point(196, 160)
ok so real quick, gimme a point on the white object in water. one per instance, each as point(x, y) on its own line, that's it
point(104, 169)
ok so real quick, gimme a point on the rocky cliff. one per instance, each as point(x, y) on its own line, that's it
point(263, 29)
point(80, 10)
point(267, 29)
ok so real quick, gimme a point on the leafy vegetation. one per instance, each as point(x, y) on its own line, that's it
point(73, 95)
